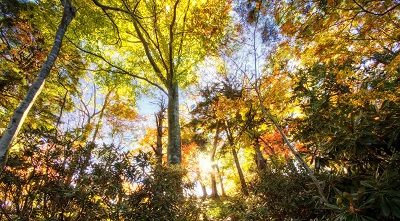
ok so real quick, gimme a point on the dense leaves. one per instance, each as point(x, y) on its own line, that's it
point(59, 178)
point(327, 72)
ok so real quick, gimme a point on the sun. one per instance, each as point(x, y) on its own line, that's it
point(205, 165)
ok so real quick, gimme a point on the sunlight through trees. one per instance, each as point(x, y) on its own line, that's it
point(260, 110)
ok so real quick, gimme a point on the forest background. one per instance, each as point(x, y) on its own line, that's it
point(263, 110)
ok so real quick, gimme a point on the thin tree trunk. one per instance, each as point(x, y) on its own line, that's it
point(214, 191)
point(220, 181)
point(275, 123)
point(159, 145)
point(203, 187)
point(159, 123)
point(240, 172)
point(174, 132)
point(22, 110)
point(236, 160)
point(291, 148)
point(101, 115)
point(260, 161)
point(158, 150)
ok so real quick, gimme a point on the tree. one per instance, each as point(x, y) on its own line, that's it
point(340, 54)
point(173, 39)
point(24, 107)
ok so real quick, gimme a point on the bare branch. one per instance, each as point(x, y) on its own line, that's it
point(373, 13)
point(115, 26)
point(106, 7)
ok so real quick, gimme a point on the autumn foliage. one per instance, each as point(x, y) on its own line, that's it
point(185, 110)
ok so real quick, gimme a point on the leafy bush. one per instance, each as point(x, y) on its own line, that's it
point(61, 179)
point(369, 197)
point(281, 193)
point(161, 198)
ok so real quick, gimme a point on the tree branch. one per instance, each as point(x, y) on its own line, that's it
point(170, 46)
point(106, 7)
point(140, 35)
point(23, 108)
point(120, 70)
point(138, 27)
point(157, 43)
point(373, 13)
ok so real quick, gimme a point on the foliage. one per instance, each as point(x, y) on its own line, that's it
point(328, 72)
point(59, 178)
point(368, 197)
point(23, 50)
point(360, 130)
point(284, 192)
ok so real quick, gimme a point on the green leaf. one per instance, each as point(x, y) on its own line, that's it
point(337, 191)
point(369, 200)
point(395, 210)
point(384, 207)
point(367, 183)
point(331, 206)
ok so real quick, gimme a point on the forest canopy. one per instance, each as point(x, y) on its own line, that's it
point(199, 110)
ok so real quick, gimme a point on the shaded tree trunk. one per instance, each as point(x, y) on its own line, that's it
point(174, 131)
point(22, 110)
point(159, 123)
point(214, 191)
point(260, 161)
point(240, 172)
point(220, 181)
point(236, 160)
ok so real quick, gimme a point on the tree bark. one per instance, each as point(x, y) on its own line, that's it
point(214, 191)
point(240, 172)
point(174, 132)
point(291, 148)
point(236, 160)
point(260, 161)
point(159, 123)
point(22, 110)
point(220, 181)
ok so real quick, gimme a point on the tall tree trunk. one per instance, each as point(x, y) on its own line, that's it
point(22, 110)
point(214, 191)
point(240, 172)
point(275, 123)
point(174, 154)
point(220, 181)
point(291, 148)
point(236, 160)
point(260, 161)
point(203, 187)
point(159, 123)
point(174, 132)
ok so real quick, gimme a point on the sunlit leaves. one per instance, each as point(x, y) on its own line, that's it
point(171, 30)
point(335, 30)
point(24, 48)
